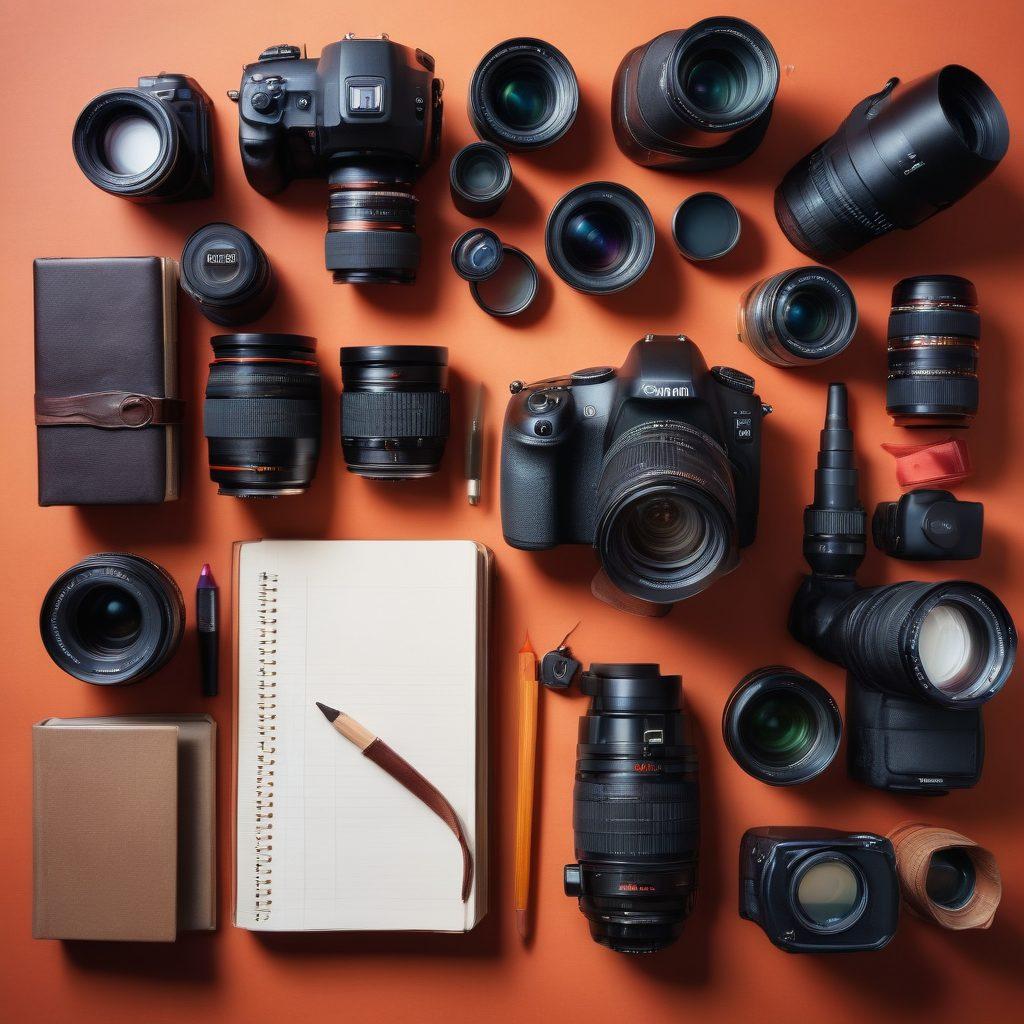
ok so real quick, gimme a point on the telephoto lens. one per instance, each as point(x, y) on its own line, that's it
point(901, 155)
point(635, 809)
point(371, 223)
point(112, 619)
point(262, 414)
point(151, 144)
point(479, 178)
point(934, 327)
point(600, 238)
point(819, 890)
point(523, 95)
point(781, 727)
point(228, 276)
point(799, 317)
point(395, 410)
point(696, 99)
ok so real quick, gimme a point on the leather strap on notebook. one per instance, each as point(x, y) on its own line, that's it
point(400, 770)
point(111, 410)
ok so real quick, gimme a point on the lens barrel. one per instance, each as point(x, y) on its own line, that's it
point(902, 155)
point(635, 809)
point(600, 238)
point(781, 726)
point(262, 414)
point(666, 512)
point(479, 179)
point(696, 99)
point(523, 95)
point(934, 328)
point(112, 619)
point(395, 410)
point(798, 317)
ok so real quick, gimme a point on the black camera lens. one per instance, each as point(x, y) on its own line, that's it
point(600, 238)
point(635, 809)
point(112, 619)
point(226, 273)
point(262, 414)
point(951, 878)
point(934, 327)
point(523, 95)
point(781, 727)
point(480, 177)
point(695, 99)
point(666, 512)
point(134, 144)
point(800, 316)
point(902, 155)
point(371, 225)
point(395, 410)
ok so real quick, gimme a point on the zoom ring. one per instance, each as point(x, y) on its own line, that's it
point(944, 323)
point(955, 392)
point(631, 821)
point(261, 417)
point(835, 522)
point(372, 250)
point(375, 414)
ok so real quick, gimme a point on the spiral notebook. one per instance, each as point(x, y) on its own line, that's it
point(394, 633)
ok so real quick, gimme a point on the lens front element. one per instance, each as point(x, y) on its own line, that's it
point(830, 894)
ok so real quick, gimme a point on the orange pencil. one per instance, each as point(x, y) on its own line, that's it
point(528, 693)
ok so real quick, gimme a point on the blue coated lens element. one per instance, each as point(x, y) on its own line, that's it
point(522, 101)
point(596, 239)
point(807, 315)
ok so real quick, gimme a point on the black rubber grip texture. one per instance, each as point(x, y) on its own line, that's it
point(951, 392)
point(381, 414)
point(372, 250)
point(835, 522)
point(956, 323)
point(261, 417)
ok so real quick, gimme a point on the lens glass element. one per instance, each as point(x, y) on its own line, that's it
point(828, 893)
point(951, 878)
point(131, 145)
point(951, 647)
point(108, 619)
point(522, 99)
point(807, 314)
point(779, 727)
point(714, 81)
point(665, 530)
point(596, 238)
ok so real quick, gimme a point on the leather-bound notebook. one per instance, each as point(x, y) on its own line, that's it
point(394, 634)
point(124, 830)
point(107, 405)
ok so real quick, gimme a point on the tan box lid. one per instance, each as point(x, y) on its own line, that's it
point(105, 806)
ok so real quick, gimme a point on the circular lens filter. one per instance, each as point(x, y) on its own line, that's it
point(511, 289)
point(705, 226)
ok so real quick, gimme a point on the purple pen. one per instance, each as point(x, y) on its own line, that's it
point(206, 622)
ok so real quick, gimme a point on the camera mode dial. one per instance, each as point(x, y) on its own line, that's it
point(282, 51)
point(735, 379)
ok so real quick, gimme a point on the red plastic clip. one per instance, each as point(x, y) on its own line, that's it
point(942, 462)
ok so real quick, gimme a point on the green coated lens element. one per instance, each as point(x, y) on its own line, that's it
point(779, 727)
point(522, 100)
point(714, 82)
point(828, 893)
point(951, 878)
point(807, 315)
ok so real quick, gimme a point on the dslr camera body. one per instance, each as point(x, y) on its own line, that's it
point(657, 464)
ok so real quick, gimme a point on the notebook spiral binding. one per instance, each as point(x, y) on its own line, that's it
point(266, 714)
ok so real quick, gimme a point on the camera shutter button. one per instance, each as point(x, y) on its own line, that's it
point(262, 101)
point(543, 428)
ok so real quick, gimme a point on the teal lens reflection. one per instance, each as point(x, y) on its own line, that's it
point(807, 315)
point(522, 100)
point(596, 239)
point(714, 83)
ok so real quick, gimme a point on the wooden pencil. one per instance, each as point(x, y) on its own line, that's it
point(528, 692)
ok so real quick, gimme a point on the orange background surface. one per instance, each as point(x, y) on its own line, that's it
point(60, 54)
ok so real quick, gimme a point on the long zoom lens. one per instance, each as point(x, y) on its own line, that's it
point(112, 619)
point(395, 410)
point(666, 512)
point(798, 317)
point(952, 644)
point(635, 809)
point(696, 99)
point(934, 329)
point(902, 155)
point(262, 414)
point(371, 224)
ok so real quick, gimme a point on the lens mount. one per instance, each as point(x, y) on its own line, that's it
point(523, 95)
point(781, 727)
point(600, 238)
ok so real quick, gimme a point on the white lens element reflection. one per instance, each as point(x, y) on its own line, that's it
point(131, 145)
point(947, 647)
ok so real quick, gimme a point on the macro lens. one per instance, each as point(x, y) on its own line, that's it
point(800, 316)
point(112, 619)
point(635, 809)
point(262, 414)
point(228, 276)
point(523, 95)
point(934, 329)
point(902, 155)
point(479, 178)
point(695, 99)
point(371, 224)
point(666, 512)
point(395, 410)
point(600, 238)
point(781, 727)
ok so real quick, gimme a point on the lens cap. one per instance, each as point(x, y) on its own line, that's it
point(705, 226)
point(477, 254)
point(511, 288)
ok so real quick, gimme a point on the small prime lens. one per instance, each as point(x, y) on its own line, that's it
point(523, 95)
point(934, 328)
point(395, 410)
point(781, 726)
point(600, 238)
point(798, 317)
point(480, 177)
point(262, 414)
point(226, 273)
point(112, 619)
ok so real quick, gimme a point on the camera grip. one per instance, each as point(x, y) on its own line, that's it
point(529, 499)
point(262, 159)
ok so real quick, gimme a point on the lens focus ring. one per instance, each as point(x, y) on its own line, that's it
point(383, 414)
